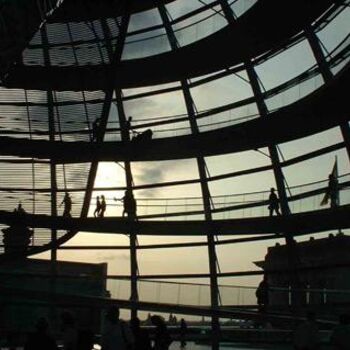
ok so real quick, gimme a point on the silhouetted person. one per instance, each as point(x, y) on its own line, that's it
point(333, 190)
point(162, 338)
point(116, 334)
point(20, 210)
point(103, 207)
point(40, 339)
point(183, 332)
point(17, 237)
point(144, 136)
point(132, 133)
point(69, 331)
point(332, 193)
point(340, 336)
point(274, 205)
point(262, 294)
point(129, 203)
point(95, 129)
point(98, 207)
point(67, 202)
point(306, 336)
point(172, 319)
point(141, 336)
point(21, 215)
point(128, 123)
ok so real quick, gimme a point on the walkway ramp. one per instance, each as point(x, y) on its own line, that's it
point(308, 222)
point(102, 302)
point(319, 111)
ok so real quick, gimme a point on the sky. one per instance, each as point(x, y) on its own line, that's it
point(228, 89)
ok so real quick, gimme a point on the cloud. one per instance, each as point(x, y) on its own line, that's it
point(143, 105)
point(147, 175)
point(112, 256)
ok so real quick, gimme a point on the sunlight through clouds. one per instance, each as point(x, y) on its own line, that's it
point(173, 189)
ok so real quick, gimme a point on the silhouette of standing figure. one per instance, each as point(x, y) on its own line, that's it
point(262, 294)
point(103, 206)
point(116, 334)
point(162, 338)
point(95, 129)
point(129, 129)
point(333, 190)
point(274, 203)
point(129, 204)
point(183, 332)
point(128, 123)
point(98, 207)
point(67, 201)
point(20, 210)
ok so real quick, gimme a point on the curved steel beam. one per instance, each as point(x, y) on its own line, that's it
point(266, 26)
point(319, 111)
point(90, 10)
point(82, 300)
point(308, 222)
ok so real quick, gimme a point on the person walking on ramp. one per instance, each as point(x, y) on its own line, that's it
point(67, 201)
point(274, 205)
point(98, 207)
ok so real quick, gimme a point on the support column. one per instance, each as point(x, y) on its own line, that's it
point(114, 63)
point(293, 259)
point(204, 188)
point(327, 76)
point(53, 183)
point(125, 136)
point(129, 185)
point(214, 289)
point(276, 166)
point(229, 15)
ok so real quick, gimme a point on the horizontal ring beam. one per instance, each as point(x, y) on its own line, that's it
point(315, 221)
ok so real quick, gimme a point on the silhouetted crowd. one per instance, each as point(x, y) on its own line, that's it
point(116, 334)
point(121, 335)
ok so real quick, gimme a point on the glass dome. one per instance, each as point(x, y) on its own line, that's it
point(240, 97)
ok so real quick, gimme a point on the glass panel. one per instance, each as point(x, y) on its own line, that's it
point(144, 20)
point(335, 31)
point(222, 91)
point(199, 26)
point(241, 6)
point(286, 65)
point(294, 93)
point(226, 163)
point(311, 143)
point(182, 7)
point(146, 44)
